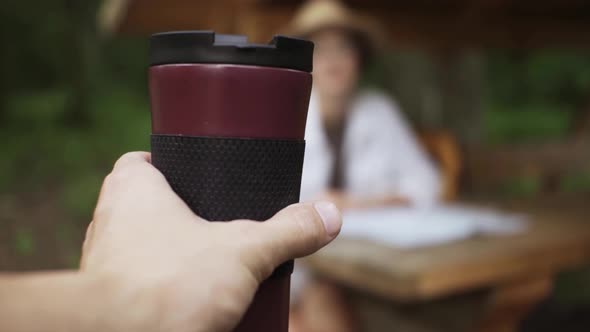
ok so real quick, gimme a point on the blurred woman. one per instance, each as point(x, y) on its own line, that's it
point(360, 150)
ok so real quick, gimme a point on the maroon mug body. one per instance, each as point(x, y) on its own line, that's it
point(227, 100)
point(219, 104)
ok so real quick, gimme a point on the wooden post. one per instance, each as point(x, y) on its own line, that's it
point(416, 89)
point(510, 303)
point(260, 22)
point(461, 81)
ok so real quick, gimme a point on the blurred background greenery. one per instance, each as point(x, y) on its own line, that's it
point(70, 104)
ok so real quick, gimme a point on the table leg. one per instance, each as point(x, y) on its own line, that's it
point(508, 304)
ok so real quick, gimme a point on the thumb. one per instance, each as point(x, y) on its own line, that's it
point(299, 230)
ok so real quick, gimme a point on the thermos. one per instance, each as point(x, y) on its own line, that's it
point(228, 122)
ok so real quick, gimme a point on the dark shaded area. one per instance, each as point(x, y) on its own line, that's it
point(552, 316)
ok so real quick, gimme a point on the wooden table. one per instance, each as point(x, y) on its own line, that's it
point(513, 273)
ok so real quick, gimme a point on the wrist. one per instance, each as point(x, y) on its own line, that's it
point(120, 304)
point(70, 301)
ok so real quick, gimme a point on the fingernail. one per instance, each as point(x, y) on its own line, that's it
point(330, 217)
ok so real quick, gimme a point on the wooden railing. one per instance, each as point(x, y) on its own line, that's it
point(487, 167)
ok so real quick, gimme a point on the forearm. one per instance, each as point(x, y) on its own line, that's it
point(378, 201)
point(352, 201)
point(345, 200)
point(63, 301)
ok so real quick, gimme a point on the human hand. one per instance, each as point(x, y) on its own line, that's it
point(173, 271)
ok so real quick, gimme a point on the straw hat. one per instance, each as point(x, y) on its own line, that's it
point(317, 15)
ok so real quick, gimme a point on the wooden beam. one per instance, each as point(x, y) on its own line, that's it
point(487, 25)
point(454, 24)
point(469, 24)
point(488, 168)
point(260, 24)
point(148, 16)
point(439, 31)
point(425, 6)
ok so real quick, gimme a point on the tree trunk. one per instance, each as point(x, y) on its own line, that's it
point(81, 20)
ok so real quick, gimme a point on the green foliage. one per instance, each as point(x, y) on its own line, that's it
point(532, 97)
point(558, 79)
point(70, 102)
point(24, 242)
point(43, 151)
point(67, 235)
point(572, 288)
point(575, 183)
point(529, 123)
point(519, 187)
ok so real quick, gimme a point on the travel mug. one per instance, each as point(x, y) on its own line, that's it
point(228, 122)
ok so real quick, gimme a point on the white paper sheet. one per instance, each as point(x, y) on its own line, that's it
point(407, 227)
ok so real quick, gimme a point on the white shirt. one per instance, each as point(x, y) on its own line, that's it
point(381, 155)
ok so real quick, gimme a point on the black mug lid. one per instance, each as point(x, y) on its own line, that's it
point(208, 47)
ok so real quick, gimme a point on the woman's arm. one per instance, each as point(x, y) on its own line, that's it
point(385, 162)
point(344, 200)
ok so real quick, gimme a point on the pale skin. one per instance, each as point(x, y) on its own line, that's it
point(336, 74)
point(150, 264)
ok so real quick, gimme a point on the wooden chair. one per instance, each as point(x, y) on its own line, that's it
point(548, 164)
point(444, 150)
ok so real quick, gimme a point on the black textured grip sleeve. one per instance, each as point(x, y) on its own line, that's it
point(223, 179)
